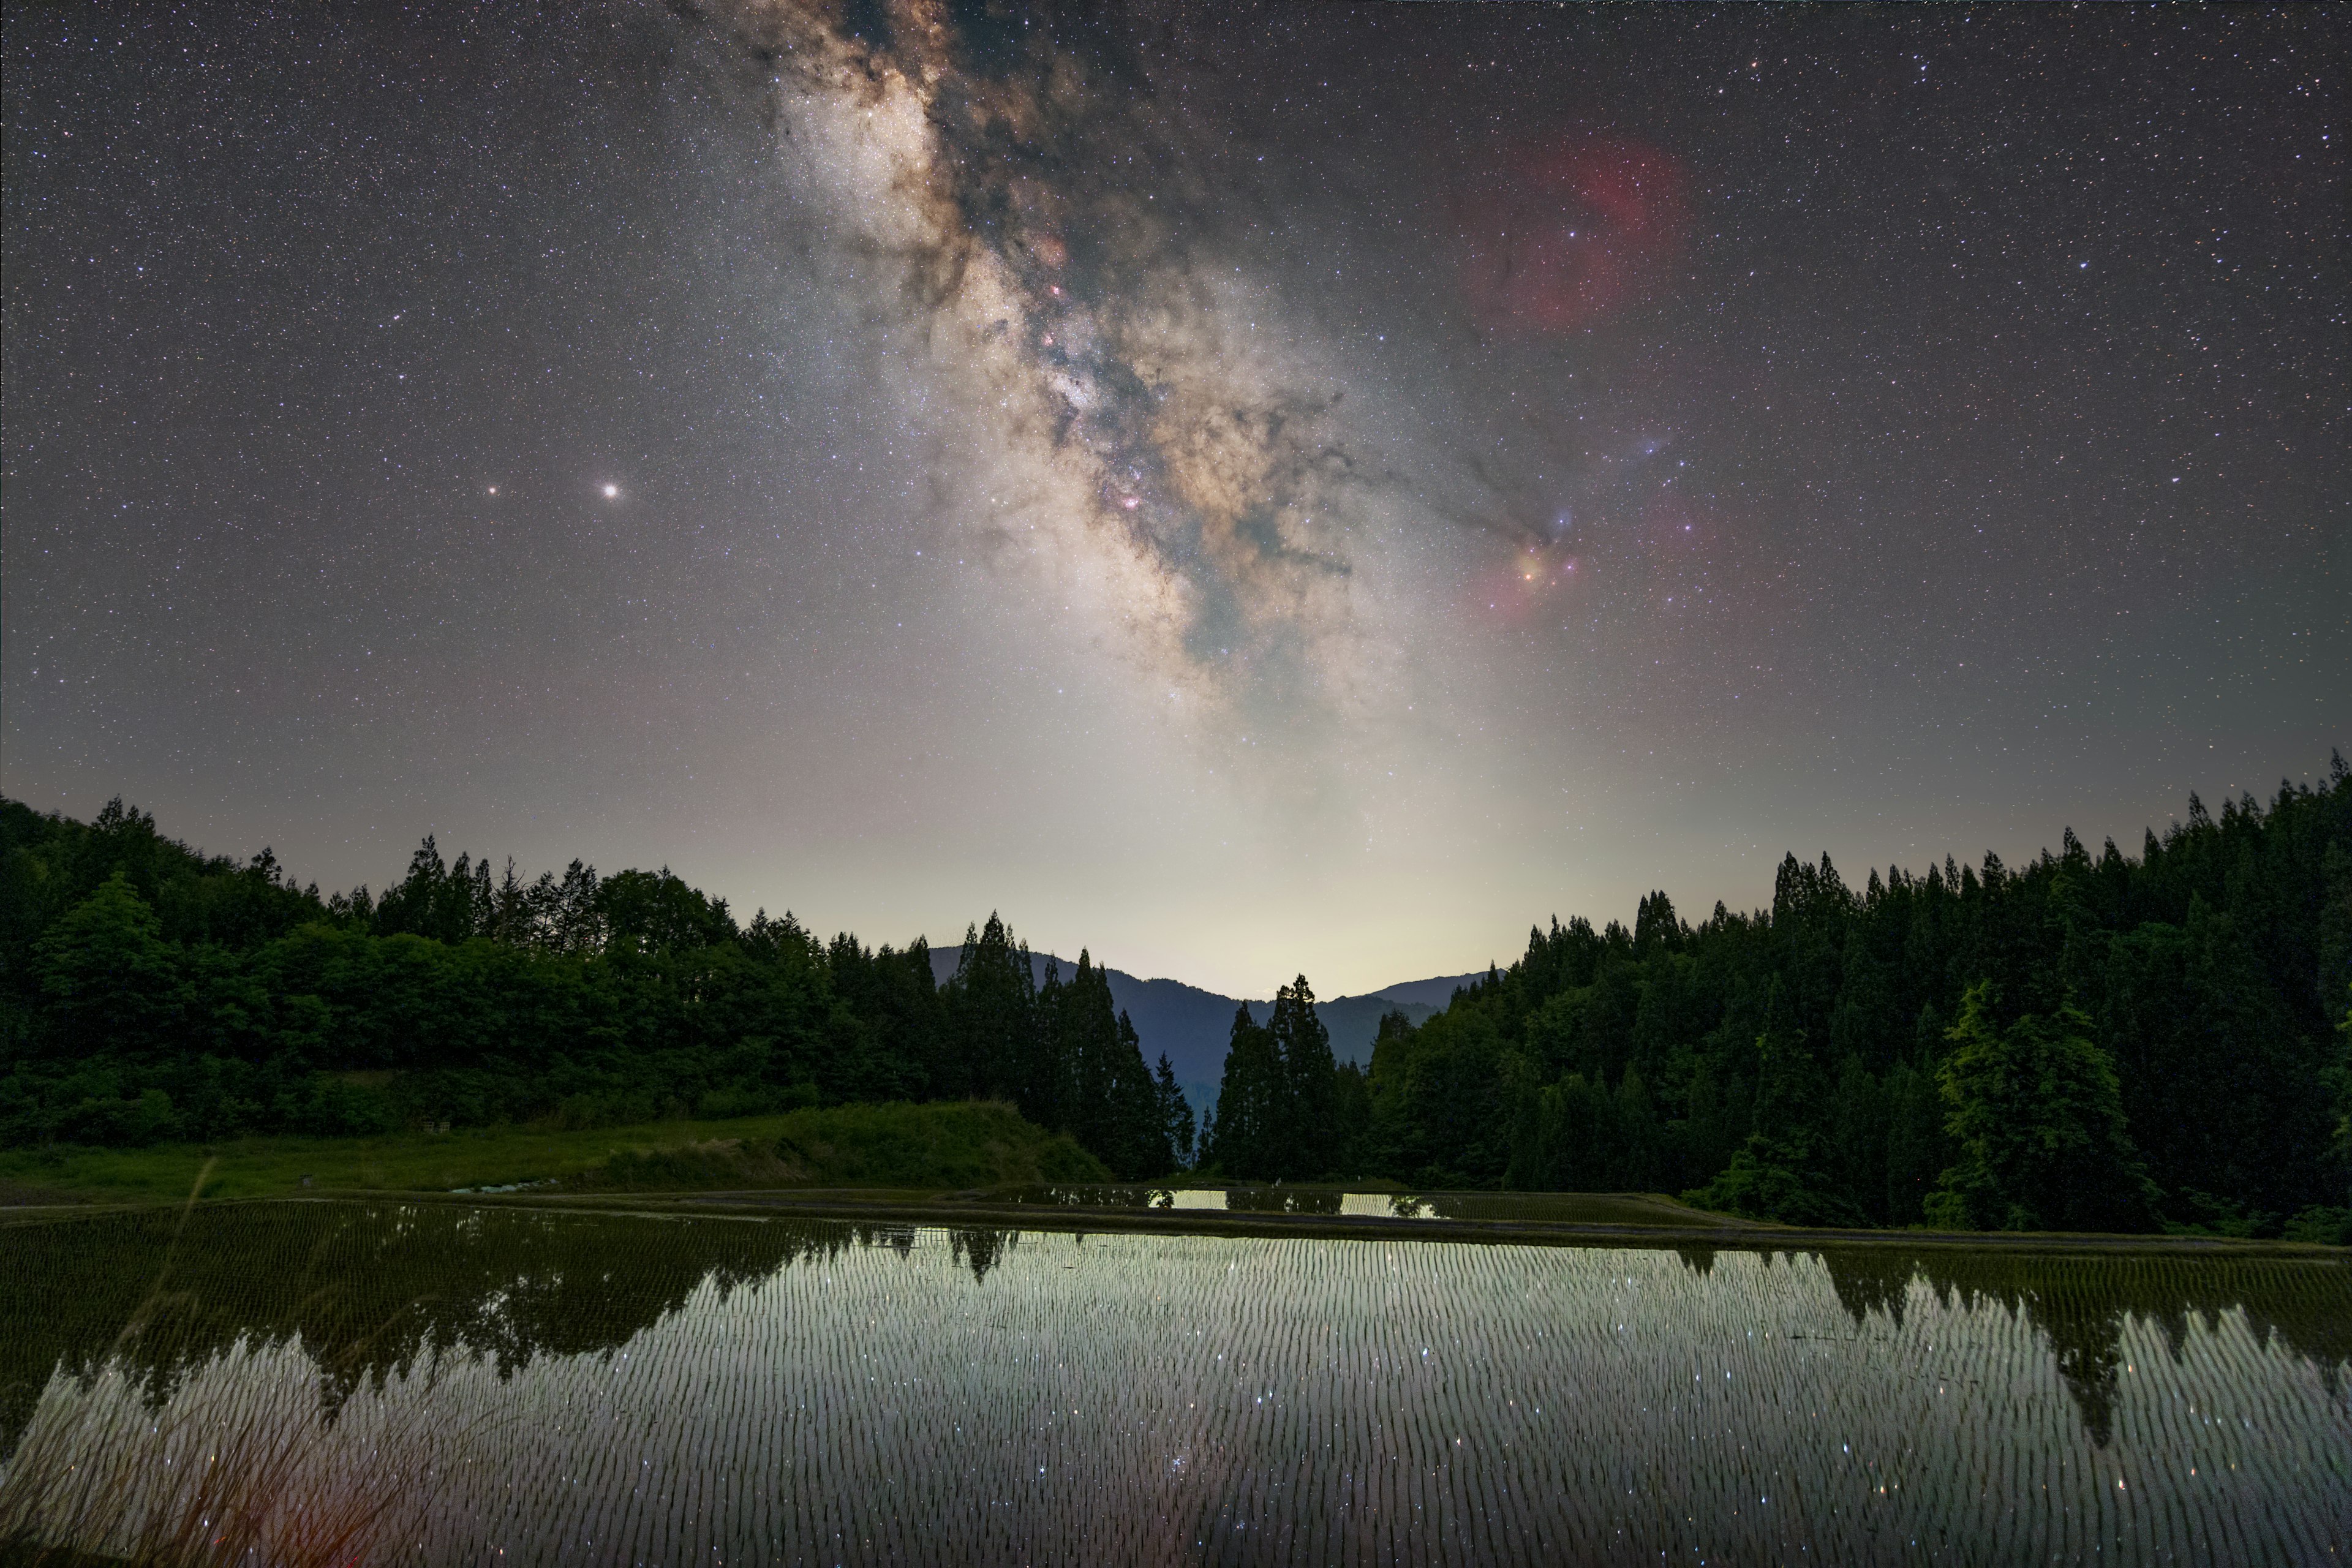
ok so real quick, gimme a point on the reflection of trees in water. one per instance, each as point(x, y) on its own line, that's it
point(1700, 1260)
point(1283, 1200)
point(982, 1250)
point(1872, 1282)
point(2081, 1304)
point(369, 1288)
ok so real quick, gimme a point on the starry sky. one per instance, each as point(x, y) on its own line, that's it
point(1244, 490)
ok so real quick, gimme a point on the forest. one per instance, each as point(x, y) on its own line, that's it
point(149, 993)
point(2081, 1042)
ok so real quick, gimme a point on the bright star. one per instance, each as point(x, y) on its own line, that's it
point(612, 492)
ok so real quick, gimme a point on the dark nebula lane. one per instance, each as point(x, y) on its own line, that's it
point(1432, 467)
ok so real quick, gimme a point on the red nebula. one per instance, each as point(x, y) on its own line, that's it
point(1511, 590)
point(1566, 233)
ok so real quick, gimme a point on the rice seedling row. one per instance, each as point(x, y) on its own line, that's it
point(585, 1389)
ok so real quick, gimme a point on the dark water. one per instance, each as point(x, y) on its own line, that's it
point(1574, 1208)
point(498, 1385)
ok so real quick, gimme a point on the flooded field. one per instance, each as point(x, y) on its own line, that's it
point(435, 1383)
point(1572, 1208)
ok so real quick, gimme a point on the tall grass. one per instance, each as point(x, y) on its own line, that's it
point(105, 1472)
point(98, 1475)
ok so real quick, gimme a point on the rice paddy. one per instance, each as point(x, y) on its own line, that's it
point(433, 1383)
point(1645, 1209)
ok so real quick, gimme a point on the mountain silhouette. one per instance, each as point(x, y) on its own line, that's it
point(1192, 1024)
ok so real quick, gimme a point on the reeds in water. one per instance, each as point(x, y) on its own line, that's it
point(239, 1466)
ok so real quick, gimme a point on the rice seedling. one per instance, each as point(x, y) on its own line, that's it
point(703, 1389)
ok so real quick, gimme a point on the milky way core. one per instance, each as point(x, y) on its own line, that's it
point(1242, 489)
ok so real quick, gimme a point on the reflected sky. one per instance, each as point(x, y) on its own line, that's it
point(982, 1395)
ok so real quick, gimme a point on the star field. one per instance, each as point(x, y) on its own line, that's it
point(1280, 488)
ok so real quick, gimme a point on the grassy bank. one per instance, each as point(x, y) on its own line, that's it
point(935, 1147)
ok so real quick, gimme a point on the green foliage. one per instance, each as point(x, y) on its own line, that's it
point(1789, 1063)
point(1351, 1116)
point(1309, 1115)
point(1786, 1170)
point(967, 1144)
point(1570, 1140)
point(1175, 1111)
point(1286, 1111)
point(107, 974)
point(2321, 1224)
point(1089, 1075)
point(935, 1146)
point(149, 993)
point(1782, 1178)
point(1917, 1147)
point(926, 1148)
point(1794, 1058)
point(1251, 1117)
point(2036, 1115)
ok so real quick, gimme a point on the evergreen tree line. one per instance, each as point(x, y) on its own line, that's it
point(1285, 1110)
point(149, 993)
point(2087, 1041)
point(2083, 1042)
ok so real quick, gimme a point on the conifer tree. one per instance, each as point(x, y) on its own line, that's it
point(2212, 969)
point(1045, 1080)
point(1091, 1067)
point(1783, 1171)
point(1251, 1099)
point(1352, 1118)
point(1140, 1145)
point(1175, 1113)
point(1308, 1116)
point(1916, 1150)
point(993, 1010)
point(1638, 1142)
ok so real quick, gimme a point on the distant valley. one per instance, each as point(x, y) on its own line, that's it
point(1192, 1024)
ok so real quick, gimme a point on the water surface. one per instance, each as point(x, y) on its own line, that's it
point(1572, 1208)
point(518, 1386)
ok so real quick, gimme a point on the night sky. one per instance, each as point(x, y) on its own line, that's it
point(1245, 491)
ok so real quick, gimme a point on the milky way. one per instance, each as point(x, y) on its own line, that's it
point(1051, 238)
point(1244, 489)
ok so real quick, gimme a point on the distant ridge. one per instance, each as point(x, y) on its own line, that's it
point(1192, 1024)
point(1434, 994)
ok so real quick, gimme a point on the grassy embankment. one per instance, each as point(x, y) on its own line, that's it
point(938, 1147)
